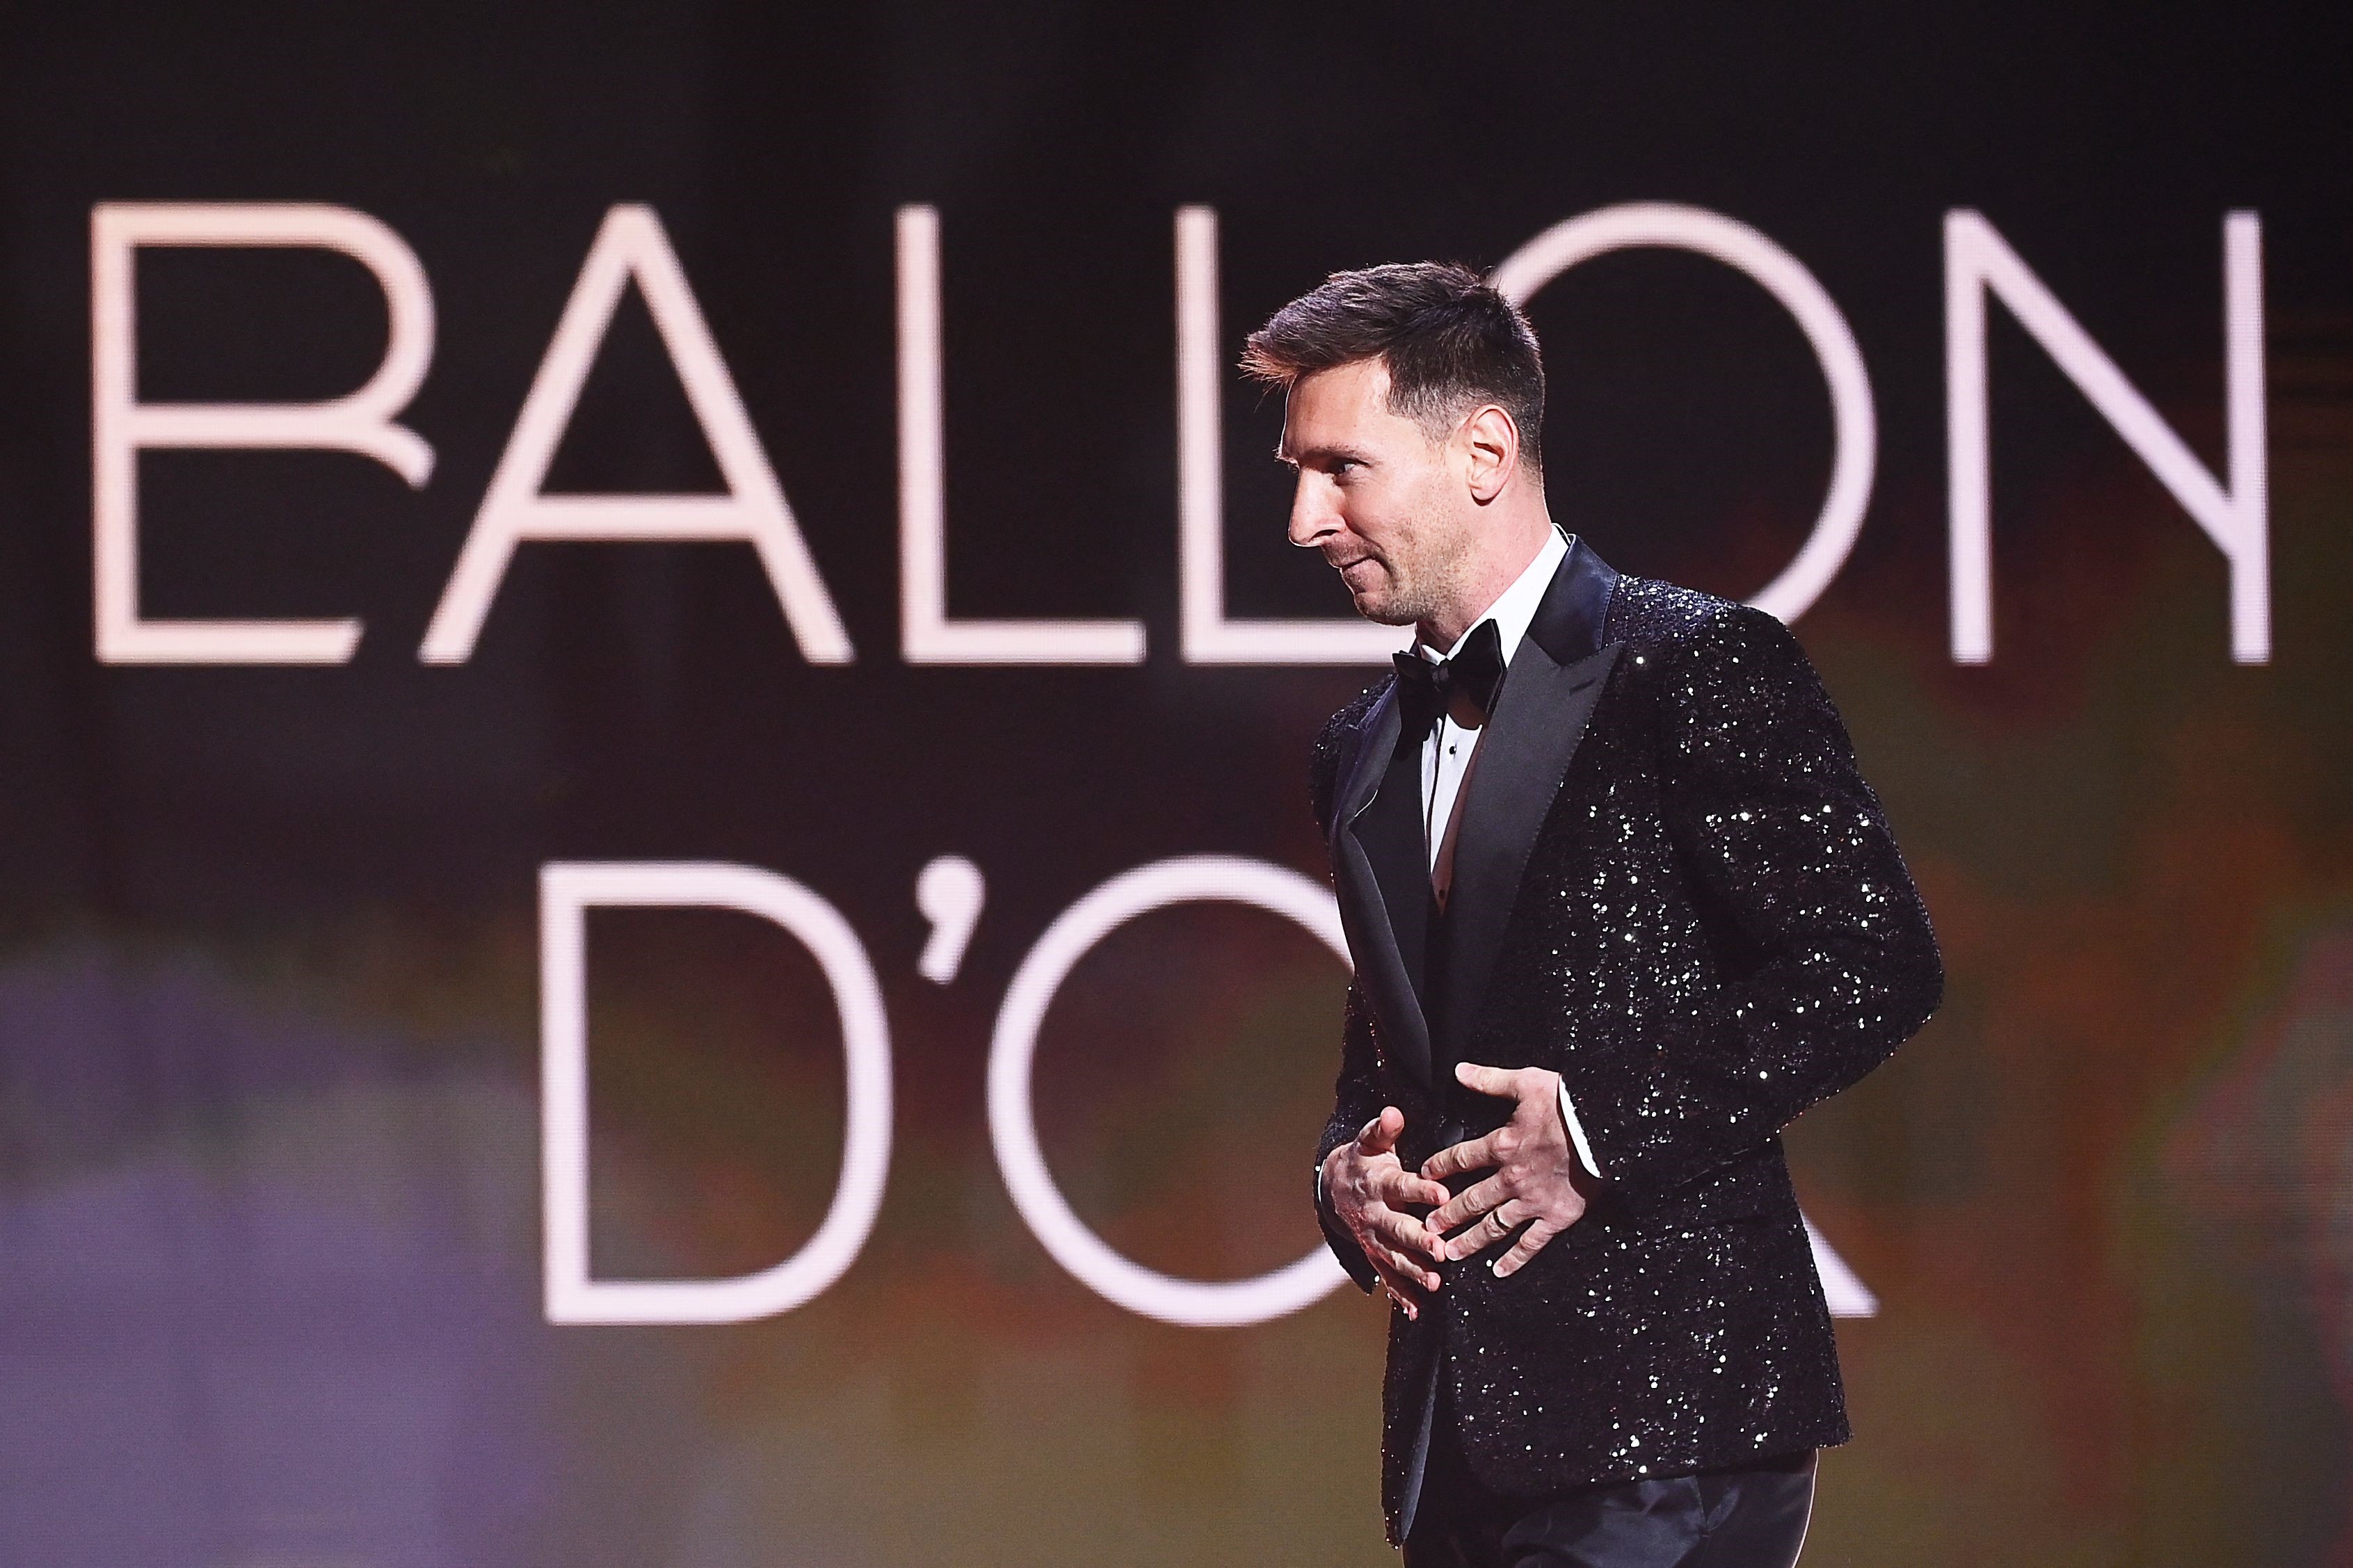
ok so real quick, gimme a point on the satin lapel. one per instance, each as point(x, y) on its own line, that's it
point(1540, 717)
point(1365, 886)
point(1556, 675)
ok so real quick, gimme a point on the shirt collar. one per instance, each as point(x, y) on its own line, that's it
point(1516, 606)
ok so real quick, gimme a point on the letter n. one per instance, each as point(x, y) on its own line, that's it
point(1979, 260)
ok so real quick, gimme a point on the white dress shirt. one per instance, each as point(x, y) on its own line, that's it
point(1452, 750)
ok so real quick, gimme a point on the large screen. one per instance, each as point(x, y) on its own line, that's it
point(659, 899)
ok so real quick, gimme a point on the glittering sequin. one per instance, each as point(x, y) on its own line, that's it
point(1714, 932)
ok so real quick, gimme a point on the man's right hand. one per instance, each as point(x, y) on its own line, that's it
point(1367, 1187)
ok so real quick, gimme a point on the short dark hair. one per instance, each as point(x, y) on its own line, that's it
point(1451, 342)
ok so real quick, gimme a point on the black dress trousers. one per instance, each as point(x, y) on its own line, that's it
point(1752, 1517)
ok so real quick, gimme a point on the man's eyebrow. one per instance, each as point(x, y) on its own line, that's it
point(1321, 455)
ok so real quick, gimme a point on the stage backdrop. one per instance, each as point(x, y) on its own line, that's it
point(658, 895)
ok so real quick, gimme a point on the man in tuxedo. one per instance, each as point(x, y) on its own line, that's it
point(1621, 907)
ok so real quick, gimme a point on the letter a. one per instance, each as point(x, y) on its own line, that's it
point(631, 243)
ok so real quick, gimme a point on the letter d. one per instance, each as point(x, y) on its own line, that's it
point(566, 892)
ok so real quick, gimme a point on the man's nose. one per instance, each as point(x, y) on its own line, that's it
point(1313, 518)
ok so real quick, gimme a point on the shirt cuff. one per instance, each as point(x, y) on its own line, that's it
point(1576, 1134)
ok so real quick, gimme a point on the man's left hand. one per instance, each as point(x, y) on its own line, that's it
point(1537, 1181)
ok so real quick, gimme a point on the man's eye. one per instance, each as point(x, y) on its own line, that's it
point(1344, 465)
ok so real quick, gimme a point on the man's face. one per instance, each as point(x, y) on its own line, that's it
point(1381, 500)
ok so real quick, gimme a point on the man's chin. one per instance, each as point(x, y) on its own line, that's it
point(1380, 608)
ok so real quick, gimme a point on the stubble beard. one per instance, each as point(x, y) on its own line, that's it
point(1419, 592)
point(1399, 606)
point(1421, 569)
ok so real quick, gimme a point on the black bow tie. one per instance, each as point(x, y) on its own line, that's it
point(1426, 690)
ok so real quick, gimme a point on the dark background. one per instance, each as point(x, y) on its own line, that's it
point(269, 1245)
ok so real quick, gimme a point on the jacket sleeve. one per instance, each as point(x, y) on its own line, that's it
point(1357, 1096)
point(1357, 1099)
point(1825, 956)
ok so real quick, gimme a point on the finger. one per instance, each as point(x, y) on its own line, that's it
point(1531, 1241)
point(1501, 1081)
point(1381, 1134)
point(1500, 1223)
point(1468, 1204)
point(1408, 1235)
point(1397, 1186)
point(1477, 1154)
point(1400, 1268)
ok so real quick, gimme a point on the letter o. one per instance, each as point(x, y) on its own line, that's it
point(1674, 226)
point(1013, 1127)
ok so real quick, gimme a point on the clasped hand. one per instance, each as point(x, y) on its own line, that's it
point(1536, 1183)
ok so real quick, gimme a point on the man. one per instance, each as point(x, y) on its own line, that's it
point(1621, 907)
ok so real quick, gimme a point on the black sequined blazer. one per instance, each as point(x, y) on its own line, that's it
point(1672, 887)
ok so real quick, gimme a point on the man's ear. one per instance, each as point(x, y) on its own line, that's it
point(1491, 449)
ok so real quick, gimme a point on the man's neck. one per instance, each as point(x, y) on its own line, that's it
point(1496, 569)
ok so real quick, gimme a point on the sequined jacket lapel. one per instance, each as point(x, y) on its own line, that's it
point(1376, 843)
